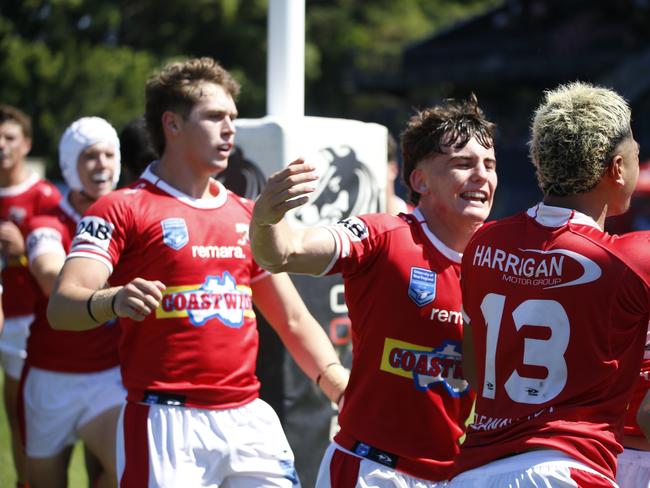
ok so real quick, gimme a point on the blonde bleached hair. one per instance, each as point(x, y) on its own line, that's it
point(574, 134)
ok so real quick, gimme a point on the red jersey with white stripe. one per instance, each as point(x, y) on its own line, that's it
point(18, 204)
point(407, 395)
point(558, 311)
point(200, 345)
point(60, 350)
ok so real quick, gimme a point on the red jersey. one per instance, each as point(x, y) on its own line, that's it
point(18, 204)
point(641, 387)
point(407, 395)
point(60, 350)
point(559, 311)
point(200, 345)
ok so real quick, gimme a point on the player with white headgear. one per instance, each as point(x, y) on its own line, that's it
point(72, 387)
point(89, 138)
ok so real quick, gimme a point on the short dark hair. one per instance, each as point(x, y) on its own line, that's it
point(135, 146)
point(13, 114)
point(177, 88)
point(442, 126)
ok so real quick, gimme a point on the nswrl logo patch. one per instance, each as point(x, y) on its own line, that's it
point(422, 286)
point(175, 234)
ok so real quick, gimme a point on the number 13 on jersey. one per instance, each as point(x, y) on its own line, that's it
point(547, 353)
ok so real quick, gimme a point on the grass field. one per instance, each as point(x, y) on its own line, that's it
point(76, 474)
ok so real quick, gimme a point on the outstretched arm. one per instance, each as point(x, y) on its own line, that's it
point(79, 300)
point(277, 246)
point(305, 339)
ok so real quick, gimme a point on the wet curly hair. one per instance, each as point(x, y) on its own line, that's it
point(435, 129)
point(574, 134)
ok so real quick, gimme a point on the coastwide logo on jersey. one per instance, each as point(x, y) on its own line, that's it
point(553, 268)
point(218, 297)
point(175, 234)
point(422, 286)
point(426, 366)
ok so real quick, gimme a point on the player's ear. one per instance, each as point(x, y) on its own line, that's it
point(171, 122)
point(418, 181)
point(615, 170)
point(27, 145)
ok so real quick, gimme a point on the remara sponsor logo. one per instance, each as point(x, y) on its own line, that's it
point(218, 252)
point(446, 316)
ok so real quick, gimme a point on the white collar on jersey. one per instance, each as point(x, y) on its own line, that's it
point(68, 209)
point(20, 188)
point(446, 251)
point(204, 203)
point(549, 216)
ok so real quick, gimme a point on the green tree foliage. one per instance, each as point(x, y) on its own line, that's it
point(62, 59)
point(57, 70)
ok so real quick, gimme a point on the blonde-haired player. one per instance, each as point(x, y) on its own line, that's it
point(556, 310)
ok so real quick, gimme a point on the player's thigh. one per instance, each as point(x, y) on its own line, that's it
point(50, 413)
point(633, 469)
point(97, 427)
point(10, 394)
point(99, 436)
point(49, 472)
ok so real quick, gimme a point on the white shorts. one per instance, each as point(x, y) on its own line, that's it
point(13, 343)
point(534, 469)
point(633, 469)
point(56, 405)
point(177, 447)
point(341, 467)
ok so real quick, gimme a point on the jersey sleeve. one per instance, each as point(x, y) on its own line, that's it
point(44, 236)
point(356, 244)
point(103, 231)
point(635, 250)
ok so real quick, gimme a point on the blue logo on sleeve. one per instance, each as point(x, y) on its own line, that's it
point(175, 234)
point(422, 286)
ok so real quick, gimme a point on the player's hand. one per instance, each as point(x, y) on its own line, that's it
point(12, 243)
point(138, 299)
point(288, 188)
